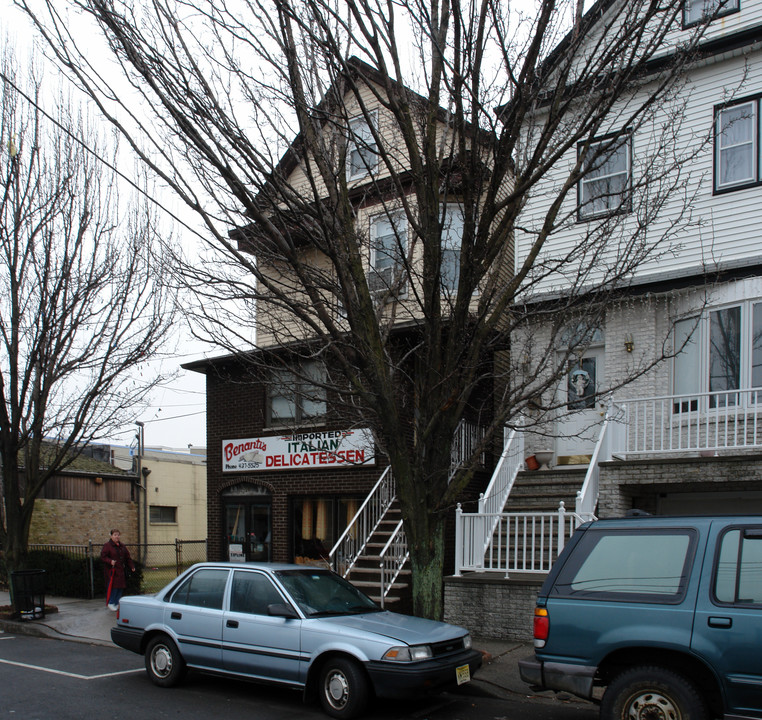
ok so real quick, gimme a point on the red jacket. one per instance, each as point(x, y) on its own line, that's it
point(120, 553)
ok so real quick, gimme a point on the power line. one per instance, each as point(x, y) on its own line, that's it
point(100, 159)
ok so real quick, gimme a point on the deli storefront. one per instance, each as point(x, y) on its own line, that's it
point(290, 497)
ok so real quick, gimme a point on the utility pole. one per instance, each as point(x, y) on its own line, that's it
point(141, 448)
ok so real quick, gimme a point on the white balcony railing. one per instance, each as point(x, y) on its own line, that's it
point(709, 422)
point(520, 543)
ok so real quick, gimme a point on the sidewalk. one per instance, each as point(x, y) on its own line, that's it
point(90, 621)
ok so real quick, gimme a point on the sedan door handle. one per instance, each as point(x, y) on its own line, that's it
point(176, 616)
point(232, 623)
point(720, 622)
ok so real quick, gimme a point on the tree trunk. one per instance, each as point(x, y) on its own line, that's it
point(426, 562)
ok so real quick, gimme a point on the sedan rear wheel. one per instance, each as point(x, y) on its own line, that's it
point(164, 664)
point(343, 688)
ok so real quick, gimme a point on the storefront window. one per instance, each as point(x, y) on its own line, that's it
point(317, 523)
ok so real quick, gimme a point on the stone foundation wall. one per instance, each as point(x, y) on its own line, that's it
point(491, 606)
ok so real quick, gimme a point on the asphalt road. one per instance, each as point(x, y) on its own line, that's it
point(45, 679)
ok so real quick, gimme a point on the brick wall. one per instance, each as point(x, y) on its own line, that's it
point(638, 483)
point(75, 522)
point(236, 409)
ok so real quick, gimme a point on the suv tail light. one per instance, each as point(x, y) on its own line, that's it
point(541, 627)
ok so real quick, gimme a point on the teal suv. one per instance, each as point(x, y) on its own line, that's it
point(658, 618)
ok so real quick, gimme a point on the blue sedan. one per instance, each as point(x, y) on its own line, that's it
point(298, 626)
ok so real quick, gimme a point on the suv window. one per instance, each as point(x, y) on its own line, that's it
point(738, 572)
point(610, 565)
point(204, 588)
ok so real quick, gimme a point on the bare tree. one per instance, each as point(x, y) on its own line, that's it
point(258, 114)
point(81, 310)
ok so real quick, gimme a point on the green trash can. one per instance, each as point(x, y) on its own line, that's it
point(28, 592)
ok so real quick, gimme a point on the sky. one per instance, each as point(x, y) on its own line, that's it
point(176, 416)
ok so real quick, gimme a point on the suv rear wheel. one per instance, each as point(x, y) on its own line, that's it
point(652, 693)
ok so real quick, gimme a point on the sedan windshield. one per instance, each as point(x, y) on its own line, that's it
point(322, 592)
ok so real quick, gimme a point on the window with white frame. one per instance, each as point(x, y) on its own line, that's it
point(719, 353)
point(296, 396)
point(736, 145)
point(607, 174)
point(452, 238)
point(388, 249)
point(362, 151)
point(696, 10)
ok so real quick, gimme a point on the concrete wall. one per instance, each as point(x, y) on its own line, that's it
point(177, 480)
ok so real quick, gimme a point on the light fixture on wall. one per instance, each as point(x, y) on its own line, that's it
point(629, 343)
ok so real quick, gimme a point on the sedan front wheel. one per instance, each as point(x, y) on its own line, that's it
point(343, 688)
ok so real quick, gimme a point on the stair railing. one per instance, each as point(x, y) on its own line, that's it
point(587, 496)
point(493, 499)
point(393, 557)
point(351, 544)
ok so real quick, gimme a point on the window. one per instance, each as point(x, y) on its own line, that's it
point(611, 564)
point(388, 236)
point(738, 574)
point(452, 237)
point(296, 396)
point(162, 514)
point(736, 146)
point(205, 588)
point(252, 593)
point(696, 10)
point(607, 174)
point(720, 353)
point(317, 524)
point(362, 151)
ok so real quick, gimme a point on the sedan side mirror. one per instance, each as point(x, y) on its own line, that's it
point(282, 610)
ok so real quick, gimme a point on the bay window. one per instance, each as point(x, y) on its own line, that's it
point(720, 353)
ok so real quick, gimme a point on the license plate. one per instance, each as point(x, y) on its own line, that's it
point(463, 674)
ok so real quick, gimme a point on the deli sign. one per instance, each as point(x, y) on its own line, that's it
point(302, 451)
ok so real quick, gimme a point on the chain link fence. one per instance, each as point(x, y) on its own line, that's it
point(76, 570)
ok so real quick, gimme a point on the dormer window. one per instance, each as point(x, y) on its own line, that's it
point(695, 11)
point(362, 152)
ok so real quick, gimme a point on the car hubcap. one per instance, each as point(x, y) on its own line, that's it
point(162, 661)
point(337, 689)
point(652, 706)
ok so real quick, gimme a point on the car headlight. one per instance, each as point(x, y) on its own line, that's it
point(466, 642)
point(409, 653)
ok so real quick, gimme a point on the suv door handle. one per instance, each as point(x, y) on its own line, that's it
point(232, 623)
point(720, 622)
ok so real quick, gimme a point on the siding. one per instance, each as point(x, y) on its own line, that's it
point(719, 231)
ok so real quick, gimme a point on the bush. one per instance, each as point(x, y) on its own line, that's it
point(68, 575)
